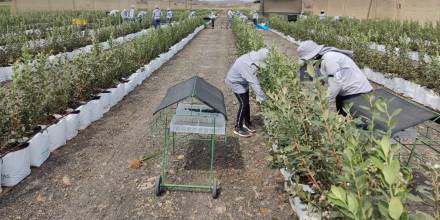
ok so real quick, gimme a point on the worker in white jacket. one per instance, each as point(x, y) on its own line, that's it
point(241, 75)
point(345, 79)
point(230, 16)
point(157, 14)
point(169, 16)
point(132, 13)
point(255, 17)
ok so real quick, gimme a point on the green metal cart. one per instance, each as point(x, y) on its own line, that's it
point(199, 114)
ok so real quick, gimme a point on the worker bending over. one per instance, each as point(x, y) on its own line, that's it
point(242, 74)
point(345, 79)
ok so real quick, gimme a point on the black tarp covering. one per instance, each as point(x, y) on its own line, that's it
point(198, 88)
point(411, 113)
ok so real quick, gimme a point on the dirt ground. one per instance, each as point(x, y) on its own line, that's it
point(90, 178)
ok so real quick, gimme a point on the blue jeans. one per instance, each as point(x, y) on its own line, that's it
point(156, 23)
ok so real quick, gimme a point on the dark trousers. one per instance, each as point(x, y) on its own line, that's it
point(156, 23)
point(255, 21)
point(212, 23)
point(340, 102)
point(244, 112)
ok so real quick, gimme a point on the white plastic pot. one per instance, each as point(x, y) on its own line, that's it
point(420, 95)
point(5, 73)
point(97, 109)
point(128, 87)
point(15, 167)
point(121, 89)
point(105, 101)
point(114, 96)
point(39, 148)
point(85, 115)
point(57, 134)
point(73, 125)
point(135, 77)
point(399, 85)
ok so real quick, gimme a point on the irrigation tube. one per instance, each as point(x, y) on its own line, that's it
point(15, 166)
point(414, 91)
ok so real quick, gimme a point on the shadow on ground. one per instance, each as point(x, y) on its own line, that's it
point(227, 155)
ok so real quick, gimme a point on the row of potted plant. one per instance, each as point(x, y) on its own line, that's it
point(41, 20)
point(335, 168)
point(69, 96)
point(62, 39)
point(247, 37)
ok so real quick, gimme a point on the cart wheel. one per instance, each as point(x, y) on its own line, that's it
point(215, 189)
point(158, 189)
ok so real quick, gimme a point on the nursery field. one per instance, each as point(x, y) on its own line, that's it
point(78, 138)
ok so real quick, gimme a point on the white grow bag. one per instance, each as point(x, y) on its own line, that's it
point(5, 73)
point(129, 86)
point(39, 148)
point(96, 109)
point(16, 166)
point(85, 115)
point(57, 134)
point(105, 101)
point(72, 125)
point(115, 94)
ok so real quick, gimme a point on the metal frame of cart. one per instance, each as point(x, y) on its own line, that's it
point(200, 114)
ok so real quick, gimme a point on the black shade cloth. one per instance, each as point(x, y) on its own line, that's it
point(411, 113)
point(195, 87)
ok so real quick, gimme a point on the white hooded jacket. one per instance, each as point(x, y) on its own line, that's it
point(244, 72)
point(344, 76)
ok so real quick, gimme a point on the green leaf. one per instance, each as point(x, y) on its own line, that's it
point(395, 208)
point(353, 204)
point(389, 174)
point(385, 145)
point(420, 216)
point(339, 193)
point(377, 162)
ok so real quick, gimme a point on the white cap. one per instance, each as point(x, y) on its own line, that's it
point(309, 49)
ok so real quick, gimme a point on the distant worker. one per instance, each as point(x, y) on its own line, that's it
point(242, 74)
point(336, 19)
point(345, 79)
point(141, 15)
point(192, 13)
point(255, 17)
point(113, 12)
point(212, 17)
point(157, 14)
point(132, 13)
point(322, 15)
point(124, 14)
point(230, 16)
point(243, 18)
point(169, 16)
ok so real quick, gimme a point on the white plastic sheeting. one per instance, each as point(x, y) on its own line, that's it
point(16, 166)
point(406, 88)
point(39, 148)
